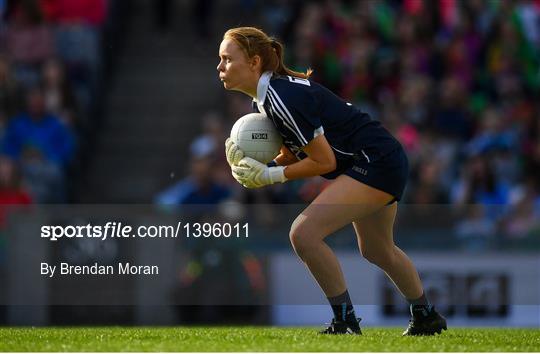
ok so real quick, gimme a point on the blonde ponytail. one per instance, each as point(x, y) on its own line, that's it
point(253, 42)
point(282, 69)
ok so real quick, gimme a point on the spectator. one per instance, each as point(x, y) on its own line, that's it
point(39, 134)
point(452, 119)
point(426, 187)
point(28, 41)
point(524, 217)
point(212, 139)
point(199, 188)
point(479, 184)
point(78, 30)
point(59, 96)
point(491, 134)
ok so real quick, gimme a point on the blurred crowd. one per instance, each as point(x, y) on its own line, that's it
point(51, 68)
point(457, 82)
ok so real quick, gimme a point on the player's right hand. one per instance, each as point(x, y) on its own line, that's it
point(233, 153)
point(252, 174)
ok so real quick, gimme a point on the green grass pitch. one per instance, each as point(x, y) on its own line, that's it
point(260, 339)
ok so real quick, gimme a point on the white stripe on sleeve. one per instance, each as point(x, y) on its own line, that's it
point(291, 119)
point(281, 115)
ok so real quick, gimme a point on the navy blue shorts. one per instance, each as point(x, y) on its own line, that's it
point(388, 173)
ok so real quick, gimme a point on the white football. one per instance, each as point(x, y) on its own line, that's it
point(257, 136)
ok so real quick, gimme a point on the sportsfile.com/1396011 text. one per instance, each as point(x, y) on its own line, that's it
point(115, 229)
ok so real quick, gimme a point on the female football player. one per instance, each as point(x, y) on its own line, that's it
point(324, 135)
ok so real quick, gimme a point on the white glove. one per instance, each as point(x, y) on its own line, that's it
point(252, 174)
point(233, 153)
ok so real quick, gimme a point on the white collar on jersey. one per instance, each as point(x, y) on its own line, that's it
point(262, 86)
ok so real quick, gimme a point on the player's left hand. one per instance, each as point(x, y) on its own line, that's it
point(252, 174)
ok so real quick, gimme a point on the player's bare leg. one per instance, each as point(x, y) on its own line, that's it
point(338, 205)
point(376, 241)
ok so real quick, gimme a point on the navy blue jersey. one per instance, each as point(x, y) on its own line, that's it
point(302, 109)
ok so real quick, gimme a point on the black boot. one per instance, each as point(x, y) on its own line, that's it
point(425, 321)
point(343, 327)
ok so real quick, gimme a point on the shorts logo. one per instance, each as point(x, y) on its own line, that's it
point(360, 170)
point(259, 136)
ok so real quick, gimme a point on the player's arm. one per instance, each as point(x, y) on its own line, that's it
point(285, 157)
point(320, 160)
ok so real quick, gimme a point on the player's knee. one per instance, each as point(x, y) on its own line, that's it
point(301, 239)
point(380, 258)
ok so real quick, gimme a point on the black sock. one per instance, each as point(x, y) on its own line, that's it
point(420, 307)
point(342, 307)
